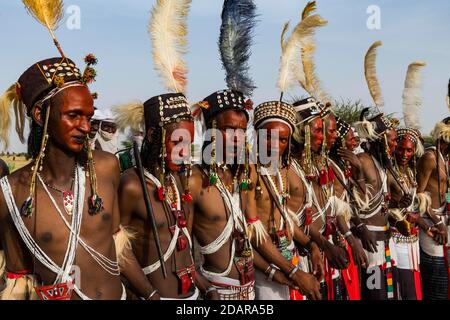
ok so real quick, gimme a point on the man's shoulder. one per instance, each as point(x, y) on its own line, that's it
point(364, 156)
point(197, 178)
point(197, 171)
point(18, 180)
point(429, 153)
point(105, 161)
point(131, 183)
point(21, 176)
point(428, 160)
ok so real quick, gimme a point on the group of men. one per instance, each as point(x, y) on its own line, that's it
point(296, 215)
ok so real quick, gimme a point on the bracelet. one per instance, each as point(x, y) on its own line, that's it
point(267, 269)
point(347, 234)
point(211, 288)
point(438, 223)
point(271, 274)
point(293, 271)
point(152, 294)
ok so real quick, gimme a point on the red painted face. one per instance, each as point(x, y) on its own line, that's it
point(351, 141)
point(391, 140)
point(283, 131)
point(316, 134)
point(70, 120)
point(331, 131)
point(404, 151)
point(233, 125)
point(179, 139)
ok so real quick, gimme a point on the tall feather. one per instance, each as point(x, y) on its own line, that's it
point(236, 31)
point(9, 100)
point(129, 115)
point(168, 31)
point(49, 13)
point(370, 71)
point(412, 100)
point(291, 68)
point(308, 44)
point(309, 9)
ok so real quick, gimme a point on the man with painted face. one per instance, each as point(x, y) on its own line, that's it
point(347, 199)
point(61, 210)
point(433, 177)
point(381, 141)
point(165, 156)
point(406, 241)
point(313, 201)
point(275, 123)
point(225, 213)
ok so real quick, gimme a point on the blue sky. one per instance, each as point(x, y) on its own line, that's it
point(116, 31)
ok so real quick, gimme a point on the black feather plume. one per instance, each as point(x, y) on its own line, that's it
point(236, 31)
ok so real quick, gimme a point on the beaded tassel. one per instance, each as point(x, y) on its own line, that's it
point(323, 177)
point(246, 183)
point(307, 161)
point(386, 147)
point(161, 191)
point(213, 168)
point(187, 196)
point(28, 206)
point(95, 201)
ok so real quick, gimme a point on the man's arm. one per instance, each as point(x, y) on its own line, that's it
point(129, 194)
point(315, 255)
point(308, 284)
point(425, 166)
point(427, 163)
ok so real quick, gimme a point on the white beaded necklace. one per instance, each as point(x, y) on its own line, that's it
point(110, 266)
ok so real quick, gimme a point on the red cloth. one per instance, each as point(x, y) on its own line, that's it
point(328, 279)
point(295, 295)
point(351, 278)
point(418, 285)
point(17, 274)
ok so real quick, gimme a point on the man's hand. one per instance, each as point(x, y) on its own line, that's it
point(367, 238)
point(351, 158)
point(317, 262)
point(439, 234)
point(336, 256)
point(307, 285)
point(280, 277)
point(212, 295)
point(359, 256)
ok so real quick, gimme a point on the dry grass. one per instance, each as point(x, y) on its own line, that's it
point(15, 162)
